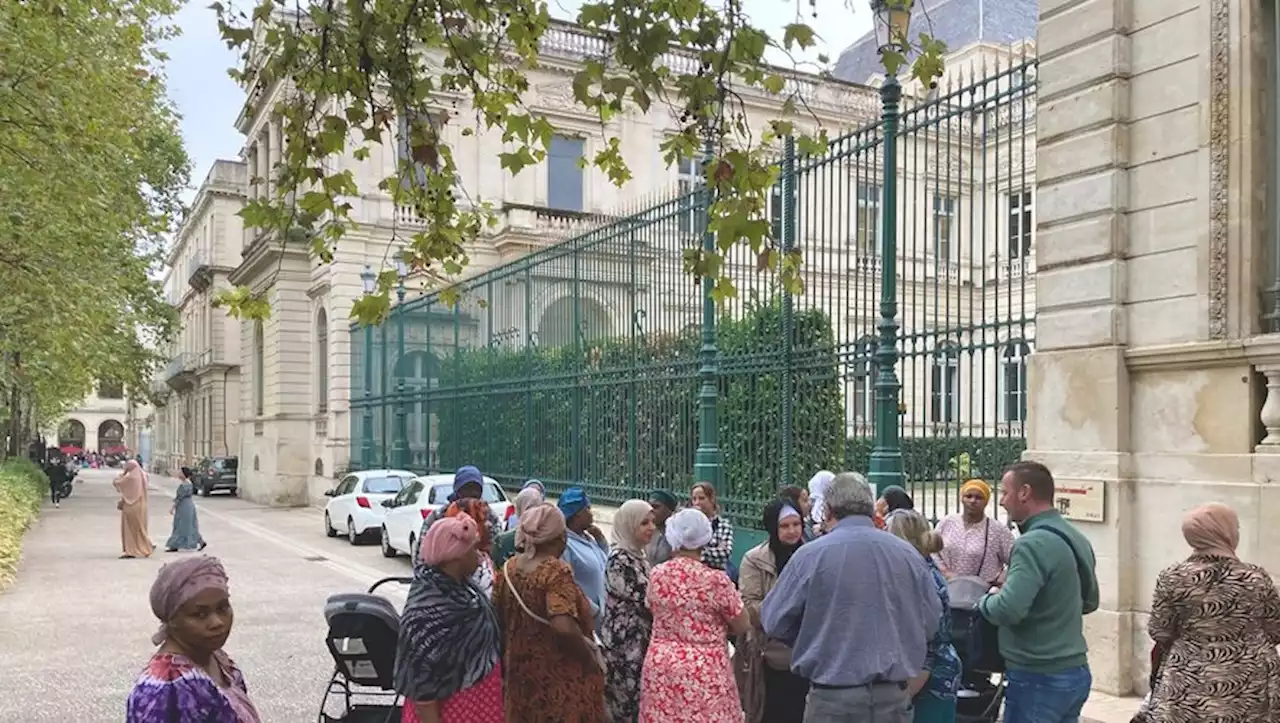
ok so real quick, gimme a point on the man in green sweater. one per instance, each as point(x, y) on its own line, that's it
point(1050, 586)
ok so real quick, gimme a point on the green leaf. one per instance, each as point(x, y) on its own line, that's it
point(798, 34)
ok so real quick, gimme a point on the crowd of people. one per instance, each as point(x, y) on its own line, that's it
point(841, 614)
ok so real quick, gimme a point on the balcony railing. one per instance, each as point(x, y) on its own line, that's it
point(198, 268)
point(179, 372)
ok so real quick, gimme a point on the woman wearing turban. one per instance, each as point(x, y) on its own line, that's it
point(974, 544)
point(687, 677)
point(449, 653)
point(554, 670)
point(1219, 619)
point(190, 678)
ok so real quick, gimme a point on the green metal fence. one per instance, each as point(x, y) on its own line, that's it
point(578, 364)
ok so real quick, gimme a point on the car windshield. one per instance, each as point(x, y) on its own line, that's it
point(383, 485)
point(224, 464)
point(492, 493)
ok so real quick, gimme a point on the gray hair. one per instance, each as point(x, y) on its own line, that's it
point(850, 495)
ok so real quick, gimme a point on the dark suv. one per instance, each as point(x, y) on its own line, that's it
point(217, 473)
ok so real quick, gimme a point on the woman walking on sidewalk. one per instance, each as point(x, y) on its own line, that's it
point(186, 525)
point(132, 486)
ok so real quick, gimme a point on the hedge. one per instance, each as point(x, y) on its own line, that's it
point(23, 487)
point(513, 411)
point(928, 460)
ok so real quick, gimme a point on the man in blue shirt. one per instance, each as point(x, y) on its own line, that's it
point(858, 607)
point(587, 550)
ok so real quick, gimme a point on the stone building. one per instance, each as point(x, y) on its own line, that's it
point(198, 393)
point(1155, 385)
point(97, 424)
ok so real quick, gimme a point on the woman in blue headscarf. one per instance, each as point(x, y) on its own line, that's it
point(587, 550)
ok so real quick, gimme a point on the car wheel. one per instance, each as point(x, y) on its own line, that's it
point(352, 537)
point(328, 527)
point(387, 549)
point(412, 545)
point(234, 492)
point(204, 490)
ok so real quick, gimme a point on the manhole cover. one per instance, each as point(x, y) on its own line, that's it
point(316, 558)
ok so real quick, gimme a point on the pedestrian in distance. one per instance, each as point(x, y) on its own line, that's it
point(132, 486)
point(186, 524)
point(1049, 588)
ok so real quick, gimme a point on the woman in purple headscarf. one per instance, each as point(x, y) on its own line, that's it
point(190, 678)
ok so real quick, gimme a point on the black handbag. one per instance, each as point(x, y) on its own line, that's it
point(984, 637)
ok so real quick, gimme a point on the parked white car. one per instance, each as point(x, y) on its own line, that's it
point(421, 495)
point(355, 505)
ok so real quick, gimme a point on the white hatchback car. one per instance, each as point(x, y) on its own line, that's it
point(355, 504)
point(421, 495)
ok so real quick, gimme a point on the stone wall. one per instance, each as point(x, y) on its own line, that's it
point(1149, 213)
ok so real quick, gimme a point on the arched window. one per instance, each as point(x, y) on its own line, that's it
point(864, 379)
point(259, 371)
point(945, 384)
point(322, 361)
point(1013, 367)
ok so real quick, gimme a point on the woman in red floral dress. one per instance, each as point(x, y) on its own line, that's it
point(687, 675)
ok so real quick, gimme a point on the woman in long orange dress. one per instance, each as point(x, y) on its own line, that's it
point(554, 671)
point(687, 676)
point(132, 486)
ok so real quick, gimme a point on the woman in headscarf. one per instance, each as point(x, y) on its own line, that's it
point(718, 553)
point(687, 676)
point(534, 486)
point(798, 497)
point(554, 672)
point(770, 691)
point(818, 485)
point(664, 505)
point(625, 632)
point(505, 546)
point(587, 551)
point(190, 678)
point(478, 510)
point(186, 526)
point(891, 499)
point(974, 545)
point(1219, 619)
point(449, 652)
point(933, 692)
point(132, 486)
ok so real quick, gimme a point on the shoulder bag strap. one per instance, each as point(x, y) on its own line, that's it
point(986, 539)
point(507, 574)
point(1072, 549)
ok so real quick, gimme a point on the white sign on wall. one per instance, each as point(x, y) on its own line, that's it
point(1083, 501)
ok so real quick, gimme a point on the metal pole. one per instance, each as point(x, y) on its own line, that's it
point(789, 229)
point(366, 434)
point(400, 446)
point(707, 465)
point(886, 457)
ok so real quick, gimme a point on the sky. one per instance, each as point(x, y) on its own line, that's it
point(209, 100)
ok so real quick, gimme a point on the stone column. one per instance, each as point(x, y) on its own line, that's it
point(1077, 379)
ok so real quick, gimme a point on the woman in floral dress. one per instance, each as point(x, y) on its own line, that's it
point(627, 621)
point(687, 676)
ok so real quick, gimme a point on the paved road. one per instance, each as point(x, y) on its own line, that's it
point(75, 626)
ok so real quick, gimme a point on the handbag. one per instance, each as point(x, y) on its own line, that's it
point(597, 648)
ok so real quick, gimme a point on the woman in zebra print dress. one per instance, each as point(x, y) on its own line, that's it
point(1220, 620)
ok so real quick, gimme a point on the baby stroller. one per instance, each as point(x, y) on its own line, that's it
point(979, 699)
point(363, 628)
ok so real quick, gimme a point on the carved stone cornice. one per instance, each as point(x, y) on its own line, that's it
point(1219, 155)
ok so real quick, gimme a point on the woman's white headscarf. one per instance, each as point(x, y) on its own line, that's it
point(626, 524)
point(688, 529)
point(818, 485)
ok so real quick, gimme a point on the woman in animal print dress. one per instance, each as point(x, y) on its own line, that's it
point(1219, 617)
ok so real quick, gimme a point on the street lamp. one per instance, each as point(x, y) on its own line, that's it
point(400, 447)
point(707, 465)
point(892, 20)
point(369, 279)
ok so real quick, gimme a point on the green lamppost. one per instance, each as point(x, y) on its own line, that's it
point(893, 20)
point(707, 466)
point(368, 278)
point(400, 446)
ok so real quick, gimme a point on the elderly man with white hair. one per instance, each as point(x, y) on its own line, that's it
point(686, 676)
point(858, 607)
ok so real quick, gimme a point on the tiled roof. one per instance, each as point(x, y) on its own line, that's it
point(958, 23)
